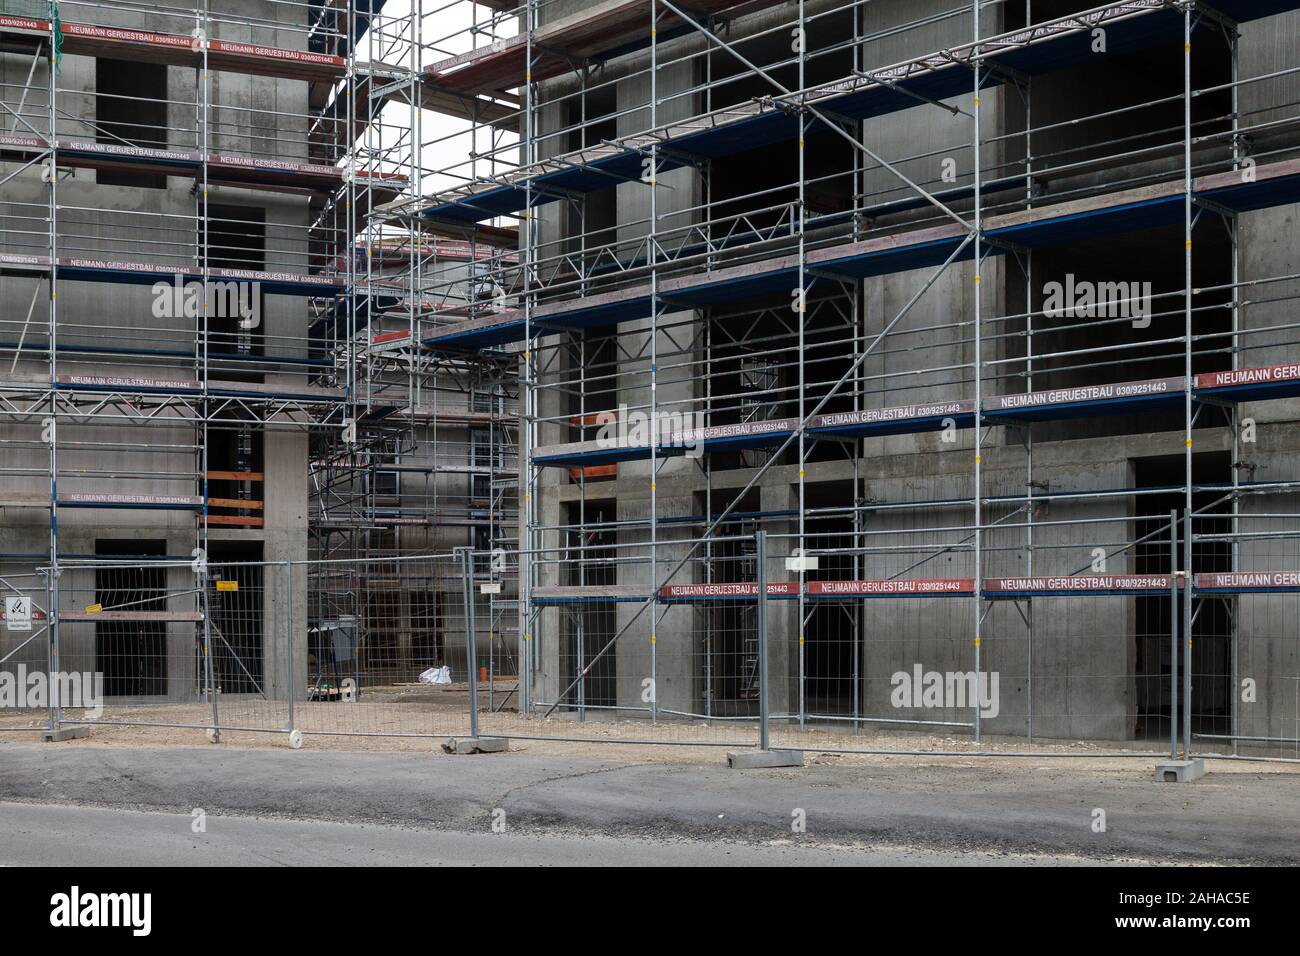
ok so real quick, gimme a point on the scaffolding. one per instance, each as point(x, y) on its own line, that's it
point(209, 336)
point(809, 269)
point(611, 293)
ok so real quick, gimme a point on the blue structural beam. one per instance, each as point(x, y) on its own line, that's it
point(1058, 404)
point(1096, 217)
point(1025, 52)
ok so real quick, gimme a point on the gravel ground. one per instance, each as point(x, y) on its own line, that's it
point(415, 718)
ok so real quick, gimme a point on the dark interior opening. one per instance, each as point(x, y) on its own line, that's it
point(594, 374)
point(773, 171)
point(1139, 345)
point(590, 625)
point(597, 213)
point(1211, 644)
point(236, 239)
point(729, 653)
point(833, 646)
point(131, 109)
point(132, 655)
point(1130, 141)
point(426, 627)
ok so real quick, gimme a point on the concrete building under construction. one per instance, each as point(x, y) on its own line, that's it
point(960, 333)
point(965, 305)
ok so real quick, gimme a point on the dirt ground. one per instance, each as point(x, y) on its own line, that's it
point(419, 718)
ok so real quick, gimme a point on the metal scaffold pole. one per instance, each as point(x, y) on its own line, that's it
point(529, 649)
point(653, 257)
point(764, 672)
point(977, 478)
point(1189, 415)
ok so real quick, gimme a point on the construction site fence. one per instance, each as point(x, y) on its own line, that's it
point(741, 641)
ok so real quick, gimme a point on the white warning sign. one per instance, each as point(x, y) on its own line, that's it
point(18, 613)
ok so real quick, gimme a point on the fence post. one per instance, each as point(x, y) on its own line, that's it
point(760, 549)
point(291, 687)
point(471, 644)
point(1187, 636)
point(205, 604)
point(1173, 635)
point(51, 651)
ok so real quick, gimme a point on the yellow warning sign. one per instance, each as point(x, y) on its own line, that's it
point(227, 585)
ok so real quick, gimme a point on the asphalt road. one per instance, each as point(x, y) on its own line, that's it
point(279, 805)
point(93, 836)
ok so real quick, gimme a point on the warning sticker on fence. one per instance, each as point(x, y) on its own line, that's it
point(18, 613)
point(227, 585)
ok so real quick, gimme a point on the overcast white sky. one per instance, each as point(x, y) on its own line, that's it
point(446, 30)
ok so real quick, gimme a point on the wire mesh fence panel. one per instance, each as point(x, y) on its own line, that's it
point(630, 642)
point(377, 647)
point(138, 627)
point(1245, 650)
point(369, 648)
point(1263, 708)
point(253, 663)
point(25, 689)
point(384, 650)
point(1058, 640)
point(882, 670)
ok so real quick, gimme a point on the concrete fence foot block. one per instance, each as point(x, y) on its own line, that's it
point(66, 733)
point(1180, 771)
point(762, 759)
point(476, 745)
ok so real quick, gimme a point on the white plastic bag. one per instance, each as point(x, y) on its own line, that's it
point(436, 675)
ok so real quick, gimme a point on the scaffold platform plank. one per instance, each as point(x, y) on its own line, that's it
point(1040, 49)
point(1042, 405)
point(223, 168)
point(88, 39)
point(1009, 588)
point(597, 32)
point(128, 384)
point(147, 273)
point(1129, 210)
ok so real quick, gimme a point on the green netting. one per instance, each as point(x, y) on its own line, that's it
point(57, 33)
